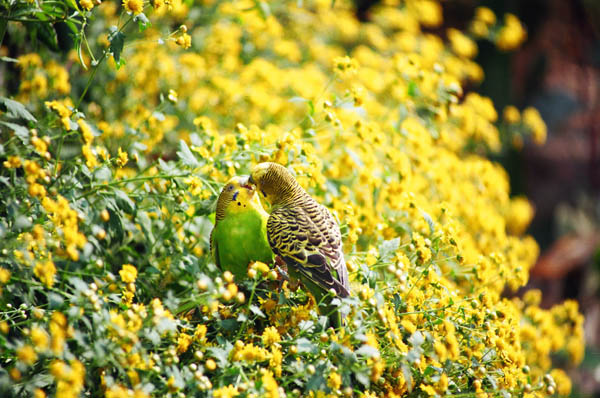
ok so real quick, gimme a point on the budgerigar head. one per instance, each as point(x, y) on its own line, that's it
point(237, 195)
point(274, 182)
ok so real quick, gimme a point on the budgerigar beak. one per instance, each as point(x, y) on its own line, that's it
point(247, 183)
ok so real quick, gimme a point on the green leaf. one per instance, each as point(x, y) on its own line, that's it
point(17, 110)
point(368, 351)
point(117, 40)
point(146, 224)
point(429, 220)
point(221, 354)
point(304, 345)
point(257, 311)
point(186, 155)
point(142, 21)
point(124, 202)
point(388, 248)
point(317, 381)
point(20, 131)
point(72, 4)
point(412, 89)
point(46, 34)
point(264, 9)
point(363, 378)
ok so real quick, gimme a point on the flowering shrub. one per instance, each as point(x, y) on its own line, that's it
point(114, 154)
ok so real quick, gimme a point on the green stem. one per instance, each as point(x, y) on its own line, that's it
point(38, 284)
point(128, 180)
point(185, 307)
point(60, 144)
point(4, 26)
point(90, 79)
point(243, 328)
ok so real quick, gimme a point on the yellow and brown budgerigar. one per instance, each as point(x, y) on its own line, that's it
point(304, 234)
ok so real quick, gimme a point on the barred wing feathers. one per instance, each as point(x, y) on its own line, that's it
point(307, 235)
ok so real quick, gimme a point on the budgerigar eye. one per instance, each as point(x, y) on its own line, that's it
point(230, 187)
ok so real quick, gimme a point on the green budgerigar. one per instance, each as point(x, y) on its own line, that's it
point(304, 235)
point(240, 232)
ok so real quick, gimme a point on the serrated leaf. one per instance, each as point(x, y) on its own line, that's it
point(20, 131)
point(429, 220)
point(316, 382)
point(229, 324)
point(257, 311)
point(407, 377)
point(388, 248)
point(304, 345)
point(55, 300)
point(368, 351)
point(146, 225)
point(220, 354)
point(186, 155)
point(46, 34)
point(416, 339)
point(117, 40)
point(363, 378)
point(124, 201)
point(17, 110)
point(78, 283)
point(142, 21)
point(103, 174)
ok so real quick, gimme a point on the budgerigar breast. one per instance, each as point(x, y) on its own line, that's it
point(308, 235)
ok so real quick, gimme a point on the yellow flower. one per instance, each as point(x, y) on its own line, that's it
point(512, 33)
point(428, 12)
point(4, 275)
point(485, 15)
point(462, 44)
point(345, 65)
point(172, 96)
point(86, 131)
point(122, 158)
point(226, 392)
point(39, 393)
point(39, 338)
point(45, 271)
point(270, 385)
point(13, 162)
point(134, 6)
point(87, 4)
point(533, 120)
point(128, 273)
point(511, 114)
point(210, 364)
point(26, 354)
point(90, 158)
point(184, 40)
point(334, 381)
point(519, 216)
point(270, 336)
point(183, 343)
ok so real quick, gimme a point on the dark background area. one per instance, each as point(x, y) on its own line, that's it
point(557, 71)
